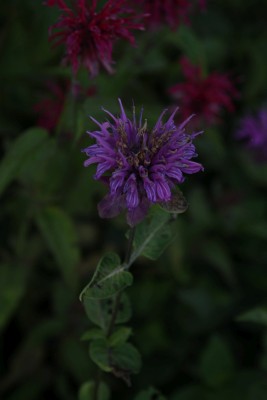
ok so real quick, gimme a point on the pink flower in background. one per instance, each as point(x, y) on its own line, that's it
point(253, 130)
point(204, 96)
point(51, 105)
point(89, 35)
point(171, 12)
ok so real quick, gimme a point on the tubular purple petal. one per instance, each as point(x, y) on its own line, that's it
point(140, 166)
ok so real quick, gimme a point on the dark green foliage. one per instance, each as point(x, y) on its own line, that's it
point(198, 311)
point(20, 154)
point(150, 394)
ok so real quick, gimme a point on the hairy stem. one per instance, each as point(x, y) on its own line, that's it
point(118, 296)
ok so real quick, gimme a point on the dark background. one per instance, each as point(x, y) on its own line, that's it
point(187, 305)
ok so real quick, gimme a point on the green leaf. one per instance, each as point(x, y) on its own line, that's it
point(216, 363)
point(59, 233)
point(152, 236)
point(126, 357)
point(257, 315)
point(12, 286)
point(99, 353)
point(109, 278)
point(93, 333)
point(86, 391)
point(121, 335)
point(149, 394)
point(21, 150)
point(100, 311)
point(122, 359)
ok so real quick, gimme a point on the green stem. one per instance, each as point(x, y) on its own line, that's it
point(130, 245)
point(115, 309)
point(118, 296)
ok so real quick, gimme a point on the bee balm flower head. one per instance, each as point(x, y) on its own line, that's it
point(89, 35)
point(204, 96)
point(142, 165)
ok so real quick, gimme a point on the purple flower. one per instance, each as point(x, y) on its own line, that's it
point(253, 130)
point(143, 166)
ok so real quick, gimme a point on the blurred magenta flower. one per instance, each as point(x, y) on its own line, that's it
point(171, 12)
point(253, 130)
point(204, 96)
point(89, 35)
point(143, 165)
point(50, 107)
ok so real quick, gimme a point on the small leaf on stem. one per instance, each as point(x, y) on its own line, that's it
point(153, 235)
point(109, 278)
point(100, 311)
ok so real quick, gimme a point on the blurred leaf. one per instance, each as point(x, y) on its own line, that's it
point(12, 287)
point(152, 236)
point(20, 152)
point(191, 45)
point(257, 172)
point(86, 391)
point(35, 168)
point(217, 254)
point(121, 335)
point(247, 385)
point(200, 209)
point(72, 358)
point(99, 353)
point(257, 315)
point(257, 70)
point(93, 333)
point(59, 233)
point(216, 364)
point(101, 311)
point(109, 278)
point(150, 394)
